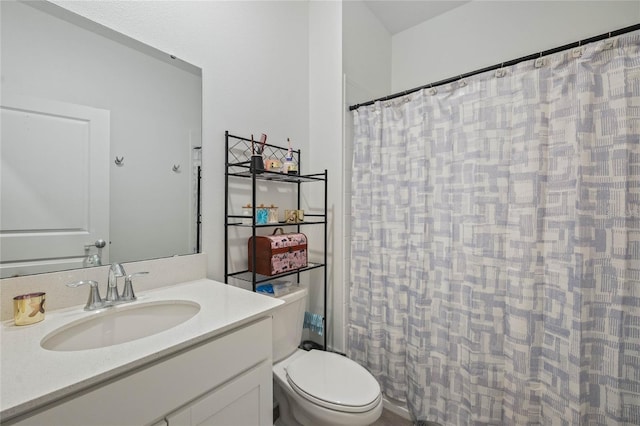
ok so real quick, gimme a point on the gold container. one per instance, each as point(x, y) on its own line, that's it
point(28, 308)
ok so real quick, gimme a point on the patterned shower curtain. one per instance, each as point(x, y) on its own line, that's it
point(495, 246)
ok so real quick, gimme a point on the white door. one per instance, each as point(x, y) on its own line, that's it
point(54, 184)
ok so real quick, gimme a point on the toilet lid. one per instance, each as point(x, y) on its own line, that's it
point(333, 381)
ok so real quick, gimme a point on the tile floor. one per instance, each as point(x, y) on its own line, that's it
point(389, 418)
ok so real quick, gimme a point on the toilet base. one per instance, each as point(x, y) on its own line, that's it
point(286, 417)
point(297, 411)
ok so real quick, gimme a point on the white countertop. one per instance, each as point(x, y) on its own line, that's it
point(31, 376)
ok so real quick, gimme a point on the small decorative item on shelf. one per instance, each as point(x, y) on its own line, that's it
point(294, 216)
point(257, 162)
point(273, 214)
point(278, 253)
point(276, 288)
point(262, 215)
point(273, 165)
point(289, 167)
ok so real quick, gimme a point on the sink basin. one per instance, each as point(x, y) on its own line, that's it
point(119, 325)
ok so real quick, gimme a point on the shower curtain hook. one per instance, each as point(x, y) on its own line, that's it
point(577, 52)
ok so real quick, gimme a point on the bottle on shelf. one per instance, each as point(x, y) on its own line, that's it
point(289, 167)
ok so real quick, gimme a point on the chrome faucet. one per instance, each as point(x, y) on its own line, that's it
point(113, 297)
point(115, 270)
point(127, 292)
point(95, 301)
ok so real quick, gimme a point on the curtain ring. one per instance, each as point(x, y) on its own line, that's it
point(577, 52)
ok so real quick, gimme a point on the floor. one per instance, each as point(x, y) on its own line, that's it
point(386, 419)
point(389, 418)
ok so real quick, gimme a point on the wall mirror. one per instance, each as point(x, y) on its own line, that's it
point(100, 141)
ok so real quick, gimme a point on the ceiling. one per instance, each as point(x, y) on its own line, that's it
point(398, 15)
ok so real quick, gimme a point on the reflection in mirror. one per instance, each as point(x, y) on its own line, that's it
point(100, 145)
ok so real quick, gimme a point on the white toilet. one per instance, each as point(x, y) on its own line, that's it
point(317, 388)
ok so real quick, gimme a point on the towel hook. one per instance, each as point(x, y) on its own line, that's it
point(119, 161)
point(176, 168)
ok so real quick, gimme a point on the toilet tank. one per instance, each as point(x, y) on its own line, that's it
point(287, 324)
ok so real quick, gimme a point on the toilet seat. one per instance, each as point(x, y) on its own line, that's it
point(333, 381)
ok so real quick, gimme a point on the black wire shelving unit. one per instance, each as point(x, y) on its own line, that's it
point(238, 151)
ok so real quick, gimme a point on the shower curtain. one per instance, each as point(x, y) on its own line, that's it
point(495, 244)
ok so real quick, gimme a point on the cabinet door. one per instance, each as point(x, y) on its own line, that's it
point(245, 400)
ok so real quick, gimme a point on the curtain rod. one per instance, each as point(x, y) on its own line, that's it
point(504, 64)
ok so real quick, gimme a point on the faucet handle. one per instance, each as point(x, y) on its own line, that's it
point(127, 291)
point(94, 301)
point(115, 270)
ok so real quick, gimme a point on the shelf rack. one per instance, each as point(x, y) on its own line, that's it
point(238, 151)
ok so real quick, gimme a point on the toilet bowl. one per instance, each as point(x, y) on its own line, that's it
point(316, 388)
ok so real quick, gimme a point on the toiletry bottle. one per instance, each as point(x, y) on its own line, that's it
point(289, 166)
point(262, 215)
point(273, 214)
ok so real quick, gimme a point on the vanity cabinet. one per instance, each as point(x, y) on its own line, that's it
point(224, 380)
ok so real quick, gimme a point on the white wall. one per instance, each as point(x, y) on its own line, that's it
point(366, 53)
point(254, 57)
point(484, 33)
point(325, 139)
